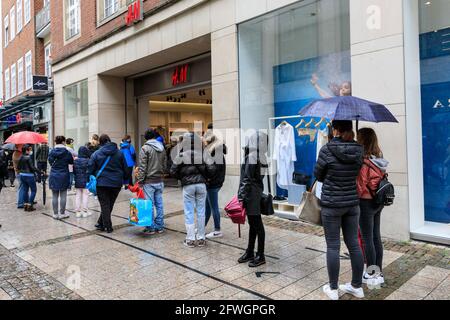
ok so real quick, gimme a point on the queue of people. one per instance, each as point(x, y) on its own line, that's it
point(350, 171)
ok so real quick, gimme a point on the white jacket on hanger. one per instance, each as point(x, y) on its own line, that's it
point(285, 154)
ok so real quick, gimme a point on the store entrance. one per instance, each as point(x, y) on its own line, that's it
point(180, 112)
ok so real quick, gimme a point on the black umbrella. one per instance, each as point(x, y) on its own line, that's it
point(9, 147)
point(348, 108)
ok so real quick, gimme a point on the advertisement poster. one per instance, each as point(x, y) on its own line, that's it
point(297, 84)
point(435, 69)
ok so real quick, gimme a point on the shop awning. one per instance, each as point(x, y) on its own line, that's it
point(23, 104)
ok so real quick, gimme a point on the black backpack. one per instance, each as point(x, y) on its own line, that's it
point(385, 194)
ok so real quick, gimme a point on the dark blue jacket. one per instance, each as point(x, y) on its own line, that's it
point(60, 159)
point(115, 172)
point(80, 168)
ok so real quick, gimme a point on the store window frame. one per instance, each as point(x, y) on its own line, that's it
point(47, 60)
point(13, 80)
point(19, 18)
point(72, 14)
point(7, 85)
point(28, 70)
point(20, 76)
point(6, 29)
point(26, 12)
point(12, 24)
point(103, 17)
point(78, 94)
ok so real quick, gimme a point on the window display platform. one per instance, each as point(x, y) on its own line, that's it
point(433, 232)
point(285, 210)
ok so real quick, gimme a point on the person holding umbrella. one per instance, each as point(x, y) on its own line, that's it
point(337, 168)
point(27, 172)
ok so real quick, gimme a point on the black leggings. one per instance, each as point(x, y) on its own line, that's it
point(256, 231)
point(107, 198)
point(370, 224)
point(335, 219)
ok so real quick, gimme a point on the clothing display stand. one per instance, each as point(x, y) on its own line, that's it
point(283, 209)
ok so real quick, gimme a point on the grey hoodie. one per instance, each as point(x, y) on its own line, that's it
point(381, 163)
point(152, 163)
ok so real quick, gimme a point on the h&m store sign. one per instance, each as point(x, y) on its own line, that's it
point(135, 12)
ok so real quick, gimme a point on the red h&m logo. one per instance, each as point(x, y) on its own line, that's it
point(135, 12)
point(180, 75)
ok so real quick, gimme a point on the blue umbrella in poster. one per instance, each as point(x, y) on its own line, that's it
point(348, 108)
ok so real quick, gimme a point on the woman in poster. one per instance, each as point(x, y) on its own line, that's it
point(342, 90)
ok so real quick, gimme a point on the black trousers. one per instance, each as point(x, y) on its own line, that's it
point(107, 198)
point(256, 231)
point(12, 176)
point(370, 225)
point(335, 219)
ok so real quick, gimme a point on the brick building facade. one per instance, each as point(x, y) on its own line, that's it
point(93, 29)
point(24, 41)
point(26, 48)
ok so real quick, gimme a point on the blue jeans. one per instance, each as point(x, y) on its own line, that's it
point(20, 193)
point(154, 192)
point(71, 179)
point(28, 183)
point(195, 198)
point(212, 204)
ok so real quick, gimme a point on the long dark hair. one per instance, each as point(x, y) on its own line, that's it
point(369, 140)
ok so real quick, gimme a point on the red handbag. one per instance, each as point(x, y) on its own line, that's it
point(236, 212)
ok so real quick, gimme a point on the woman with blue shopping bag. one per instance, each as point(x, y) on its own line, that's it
point(109, 169)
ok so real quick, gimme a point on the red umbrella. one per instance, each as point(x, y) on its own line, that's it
point(26, 137)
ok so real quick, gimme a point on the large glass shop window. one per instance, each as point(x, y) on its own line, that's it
point(435, 81)
point(76, 113)
point(287, 59)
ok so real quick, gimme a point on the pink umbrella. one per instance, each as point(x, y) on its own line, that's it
point(26, 137)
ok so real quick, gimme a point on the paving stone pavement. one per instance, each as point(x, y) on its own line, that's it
point(41, 258)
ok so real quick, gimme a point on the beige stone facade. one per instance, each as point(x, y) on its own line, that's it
point(384, 69)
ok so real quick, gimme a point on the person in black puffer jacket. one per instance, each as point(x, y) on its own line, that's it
point(215, 153)
point(250, 192)
point(190, 167)
point(110, 181)
point(337, 168)
point(80, 171)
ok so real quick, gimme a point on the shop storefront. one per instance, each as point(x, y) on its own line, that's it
point(244, 68)
point(287, 59)
point(42, 119)
point(27, 114)
point(314, 49)
point(434, 41)
point(175, 99)
point(76, 119)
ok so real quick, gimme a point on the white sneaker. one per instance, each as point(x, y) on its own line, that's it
point(215, 234)
point(367, 278)
point(332, 294)
point(64, 216)
point(380, 278)
point(78, 214)
point(56, 216)
point(348, 288)
point(86, 214)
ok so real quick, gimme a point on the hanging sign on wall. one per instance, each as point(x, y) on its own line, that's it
point(135, 12)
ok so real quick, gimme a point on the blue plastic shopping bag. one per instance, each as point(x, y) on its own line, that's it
point(141, 213)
